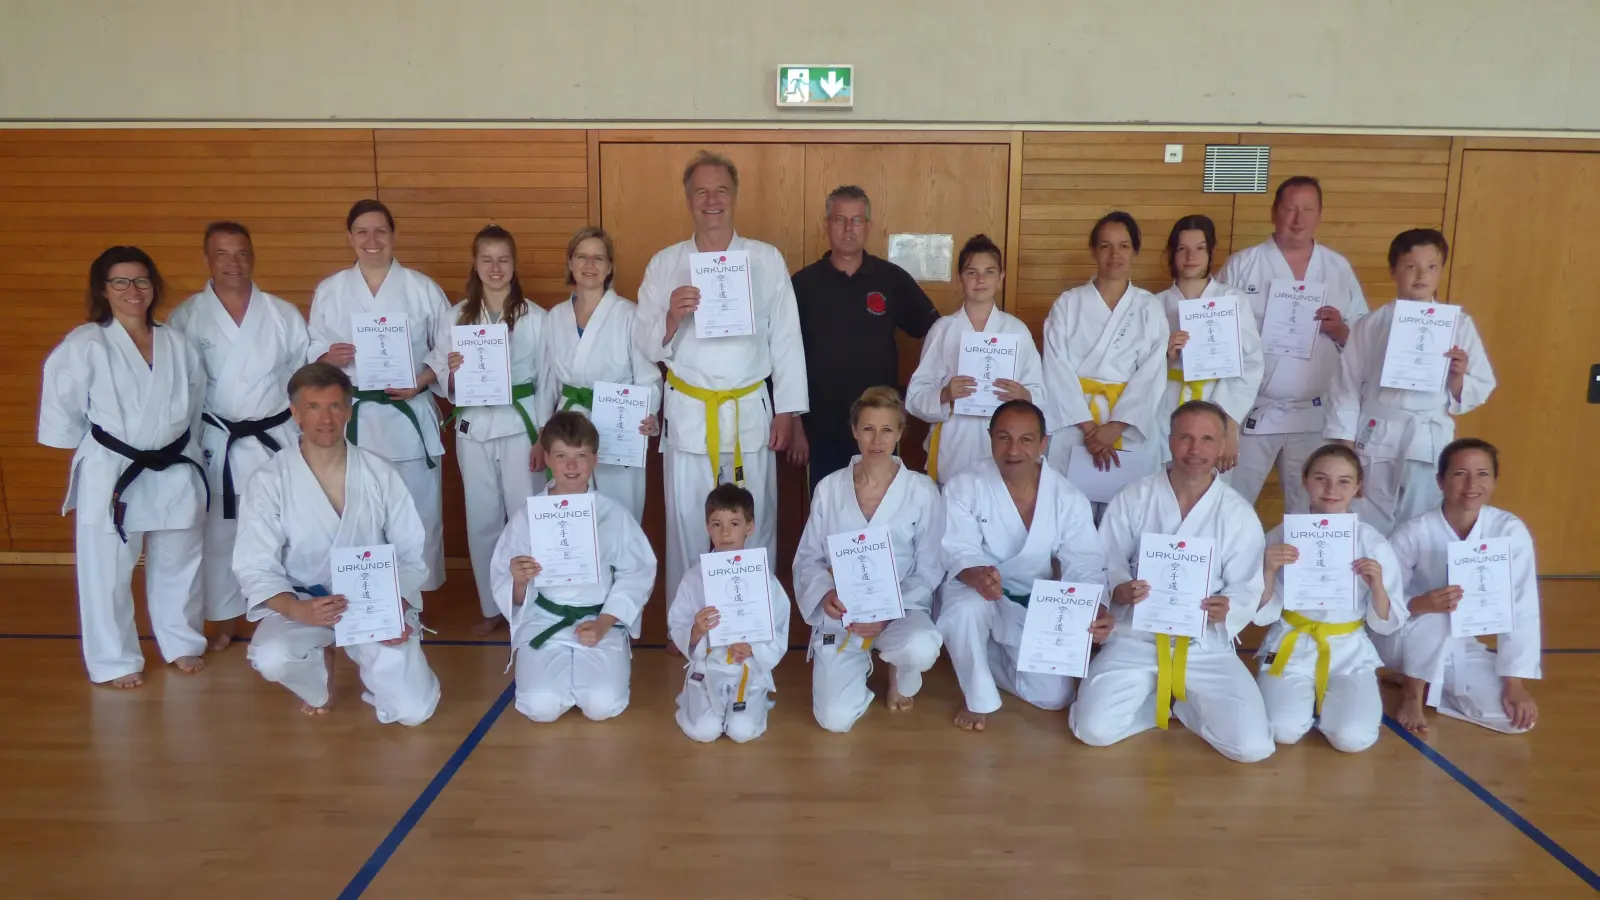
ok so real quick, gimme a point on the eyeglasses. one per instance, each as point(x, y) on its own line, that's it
point(122, 284)
point(856, 221)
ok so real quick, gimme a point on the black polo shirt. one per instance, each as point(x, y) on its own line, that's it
point(848, 324)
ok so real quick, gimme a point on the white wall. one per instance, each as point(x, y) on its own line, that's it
point(1458, 64)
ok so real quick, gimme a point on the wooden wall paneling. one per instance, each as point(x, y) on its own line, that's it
point(66, 195)
point(1071, 179)
point(1522, 272)
point(1452, 204)
point(5, 520)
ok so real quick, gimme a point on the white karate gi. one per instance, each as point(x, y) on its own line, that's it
point(1352, 708)
point(914, 514)
point(1223, 705)
point(287, 529)
point(493, 444)
point(727, 364)
point(1234, 395)
point(248, 366)
point(1463, 675)
point(379, 427)
point(983, 528)
point(561, 672)
point(1105, 365)
point(1399, 434)
point(1284, 426)
point(604, 352)
point(720, 696)
point(96, 378)
point(963, 441)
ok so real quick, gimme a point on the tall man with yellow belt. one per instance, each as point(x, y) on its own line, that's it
point(1140, 679)
point(722, 425)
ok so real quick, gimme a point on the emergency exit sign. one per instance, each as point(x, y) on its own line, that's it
point(816, 86)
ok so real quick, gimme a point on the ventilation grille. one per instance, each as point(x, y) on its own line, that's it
point(1232, 169)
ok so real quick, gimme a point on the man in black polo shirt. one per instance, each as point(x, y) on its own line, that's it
point(850, 302)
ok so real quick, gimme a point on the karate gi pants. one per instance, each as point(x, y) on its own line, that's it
point(563, 673)
point(624, 484)
point(1352, 708)
point(983, 638)
point(1395, 491)
point(399, 684)
point(496, 484)
point(426, 487)
point(105, 597)
point(219, 587)
point(687, 480)
point(1224, 706)
point(706, 706)
point(839, 669)
point(1470, 689)
point(1257, 455)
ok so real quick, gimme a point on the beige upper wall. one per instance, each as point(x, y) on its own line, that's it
point(1458, 64)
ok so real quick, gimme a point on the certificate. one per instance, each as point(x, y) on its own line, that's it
point(617, 412)
point(1482, 569)
point(484, 378)
point(1324, 577)
point(865, 576)
point(1420, 334)
point(562, 539)
point(1100, 487)
point(725, 307)
point(1290, 325)
point(1055, 635)
point(1178, 570)
point(383, 352)
point(1213, 348)
point(737, 584)
point(985, 357)
point(367, 580)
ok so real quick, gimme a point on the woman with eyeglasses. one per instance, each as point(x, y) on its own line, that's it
point(125, 393)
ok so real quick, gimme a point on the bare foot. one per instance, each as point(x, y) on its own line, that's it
point(189, 665)
point(133, 680)
point(310, 710)
point(1410, 713)
point(488, 626)
point(967, 720)
point(898, 702)
point(226, 629)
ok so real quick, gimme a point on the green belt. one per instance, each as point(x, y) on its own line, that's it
point(570, 616)
point(577, 396)
point(1020, 599)
point(350, 430)
point(518, 392)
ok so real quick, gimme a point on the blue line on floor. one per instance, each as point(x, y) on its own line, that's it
point(397, 834)
point(1545, 842)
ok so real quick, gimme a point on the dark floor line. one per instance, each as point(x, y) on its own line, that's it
point(1531, 831)
point(375, 863)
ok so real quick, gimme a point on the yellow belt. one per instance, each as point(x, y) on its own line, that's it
point(1171, 664)
point(866, 643)
point(713, 401)
point(933, 452)
point(1319, 632)
point(1110, 390)
point(744, 681)
point(1189, 390)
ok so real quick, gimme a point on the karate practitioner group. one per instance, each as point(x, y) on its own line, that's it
point(230, 446)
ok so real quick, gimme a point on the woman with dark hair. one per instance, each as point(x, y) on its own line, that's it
point(1105, 346)
point(957, 442)
point(495, 445)
point(399, 424)
point(126, 394)
point(589, 339)
point(1191, 249)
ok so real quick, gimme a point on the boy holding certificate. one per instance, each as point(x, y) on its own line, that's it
point(866, 569)
point(1407, 368)
point(730, 662)
point(1469, 570)
point(1327, 575)
point(572, 574)
point(1184, 517)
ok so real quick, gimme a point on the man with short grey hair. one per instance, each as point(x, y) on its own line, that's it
point(851, 303)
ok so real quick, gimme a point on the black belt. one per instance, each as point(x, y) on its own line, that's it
point(140, 460)
point(244, 428)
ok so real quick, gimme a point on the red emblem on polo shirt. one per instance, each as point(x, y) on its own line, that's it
point(875, 303)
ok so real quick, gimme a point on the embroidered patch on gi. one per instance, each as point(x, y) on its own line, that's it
point(876, 303)
point(739, 707)
point(1252, 289)
point(827, 640)
point(1271, 658)
point(698, 676)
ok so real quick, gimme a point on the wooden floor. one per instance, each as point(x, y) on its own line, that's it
point(216, 786)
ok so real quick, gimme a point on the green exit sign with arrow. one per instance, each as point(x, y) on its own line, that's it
point(817, 86)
